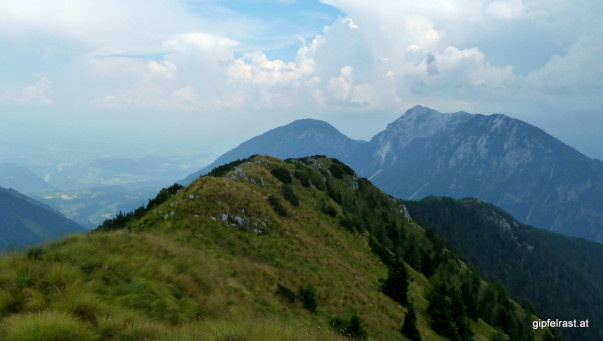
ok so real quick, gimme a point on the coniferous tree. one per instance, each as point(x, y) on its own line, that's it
point(409, 328)
point(440, 309)
point(396, 283)
point(459, 316)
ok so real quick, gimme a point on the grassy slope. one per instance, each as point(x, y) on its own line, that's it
point(179, 274)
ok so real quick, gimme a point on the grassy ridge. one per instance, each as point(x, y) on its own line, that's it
point(211, 261)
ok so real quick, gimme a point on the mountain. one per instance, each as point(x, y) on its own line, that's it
point(505, 161)
point(22, 179)
point(532, 263)
point(24, 221)
point(259, 249)
point(297, 139)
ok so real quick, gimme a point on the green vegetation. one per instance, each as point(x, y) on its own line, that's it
point(290, 195)
point(225, 168)
point(217, 260)
point(121, 219)
point(307, 295)
point(351, 329)
point(528, 261)
point(396, 283)
point(282, 174)
point(278, 207)
point(409, 328)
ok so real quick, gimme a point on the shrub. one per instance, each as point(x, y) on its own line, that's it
point(290, 196)
point(330, 210)
point(344, 168)
point(285, 292)
point(303, 178)
point(223, 169)
point(336, 171)
point(277, 206)
point(35, 253)
point(351, 329)
point(307, 295)
point(121, 219)
point(282, 174)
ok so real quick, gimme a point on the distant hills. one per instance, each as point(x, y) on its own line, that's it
point(24, 221)
point(512, 164)
point(22, 179)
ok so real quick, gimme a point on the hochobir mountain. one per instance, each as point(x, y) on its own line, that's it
point(561, 276)
point(259, 249)
point(514, 165)
point(25, 221)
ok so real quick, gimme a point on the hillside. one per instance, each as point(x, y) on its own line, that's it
point(22, 180)
point(25, 221)
point(260, 249)
point(498, 159)
point(561, 276)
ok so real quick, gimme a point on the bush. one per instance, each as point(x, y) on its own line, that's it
point(122, 219)
point(223, 169)
point(282, 174)
point(285, 292)
point(290, 196)
point(330, 210)
point(345, 168)
point(277, 206)
point(351, 329)
point(307, 295)
point(336, 171)
point(303, 178)
point(35, 253)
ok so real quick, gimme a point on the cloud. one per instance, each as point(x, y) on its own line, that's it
point(257, 68)
point(199, 59)
point(507, 10)
point(35, 94)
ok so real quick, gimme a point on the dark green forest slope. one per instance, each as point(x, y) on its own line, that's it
point(561, 276)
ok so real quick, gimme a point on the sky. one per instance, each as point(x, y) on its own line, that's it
point(205, 75)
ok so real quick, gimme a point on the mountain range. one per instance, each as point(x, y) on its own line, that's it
point(25, 221)
point(512, 164)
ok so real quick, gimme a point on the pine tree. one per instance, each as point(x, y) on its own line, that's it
point(409, 328)
point(396, 284)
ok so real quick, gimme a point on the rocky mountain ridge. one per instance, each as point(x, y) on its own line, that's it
point(498, 159)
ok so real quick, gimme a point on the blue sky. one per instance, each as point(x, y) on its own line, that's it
point(207, 75)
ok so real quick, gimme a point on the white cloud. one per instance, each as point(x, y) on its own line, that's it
point(507, 10)
point(256, 68)
point(166, 70)
point(379, 56)
point(34, 94)
point(341, 87)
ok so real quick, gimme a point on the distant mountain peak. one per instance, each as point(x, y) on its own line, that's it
point(495, 158)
